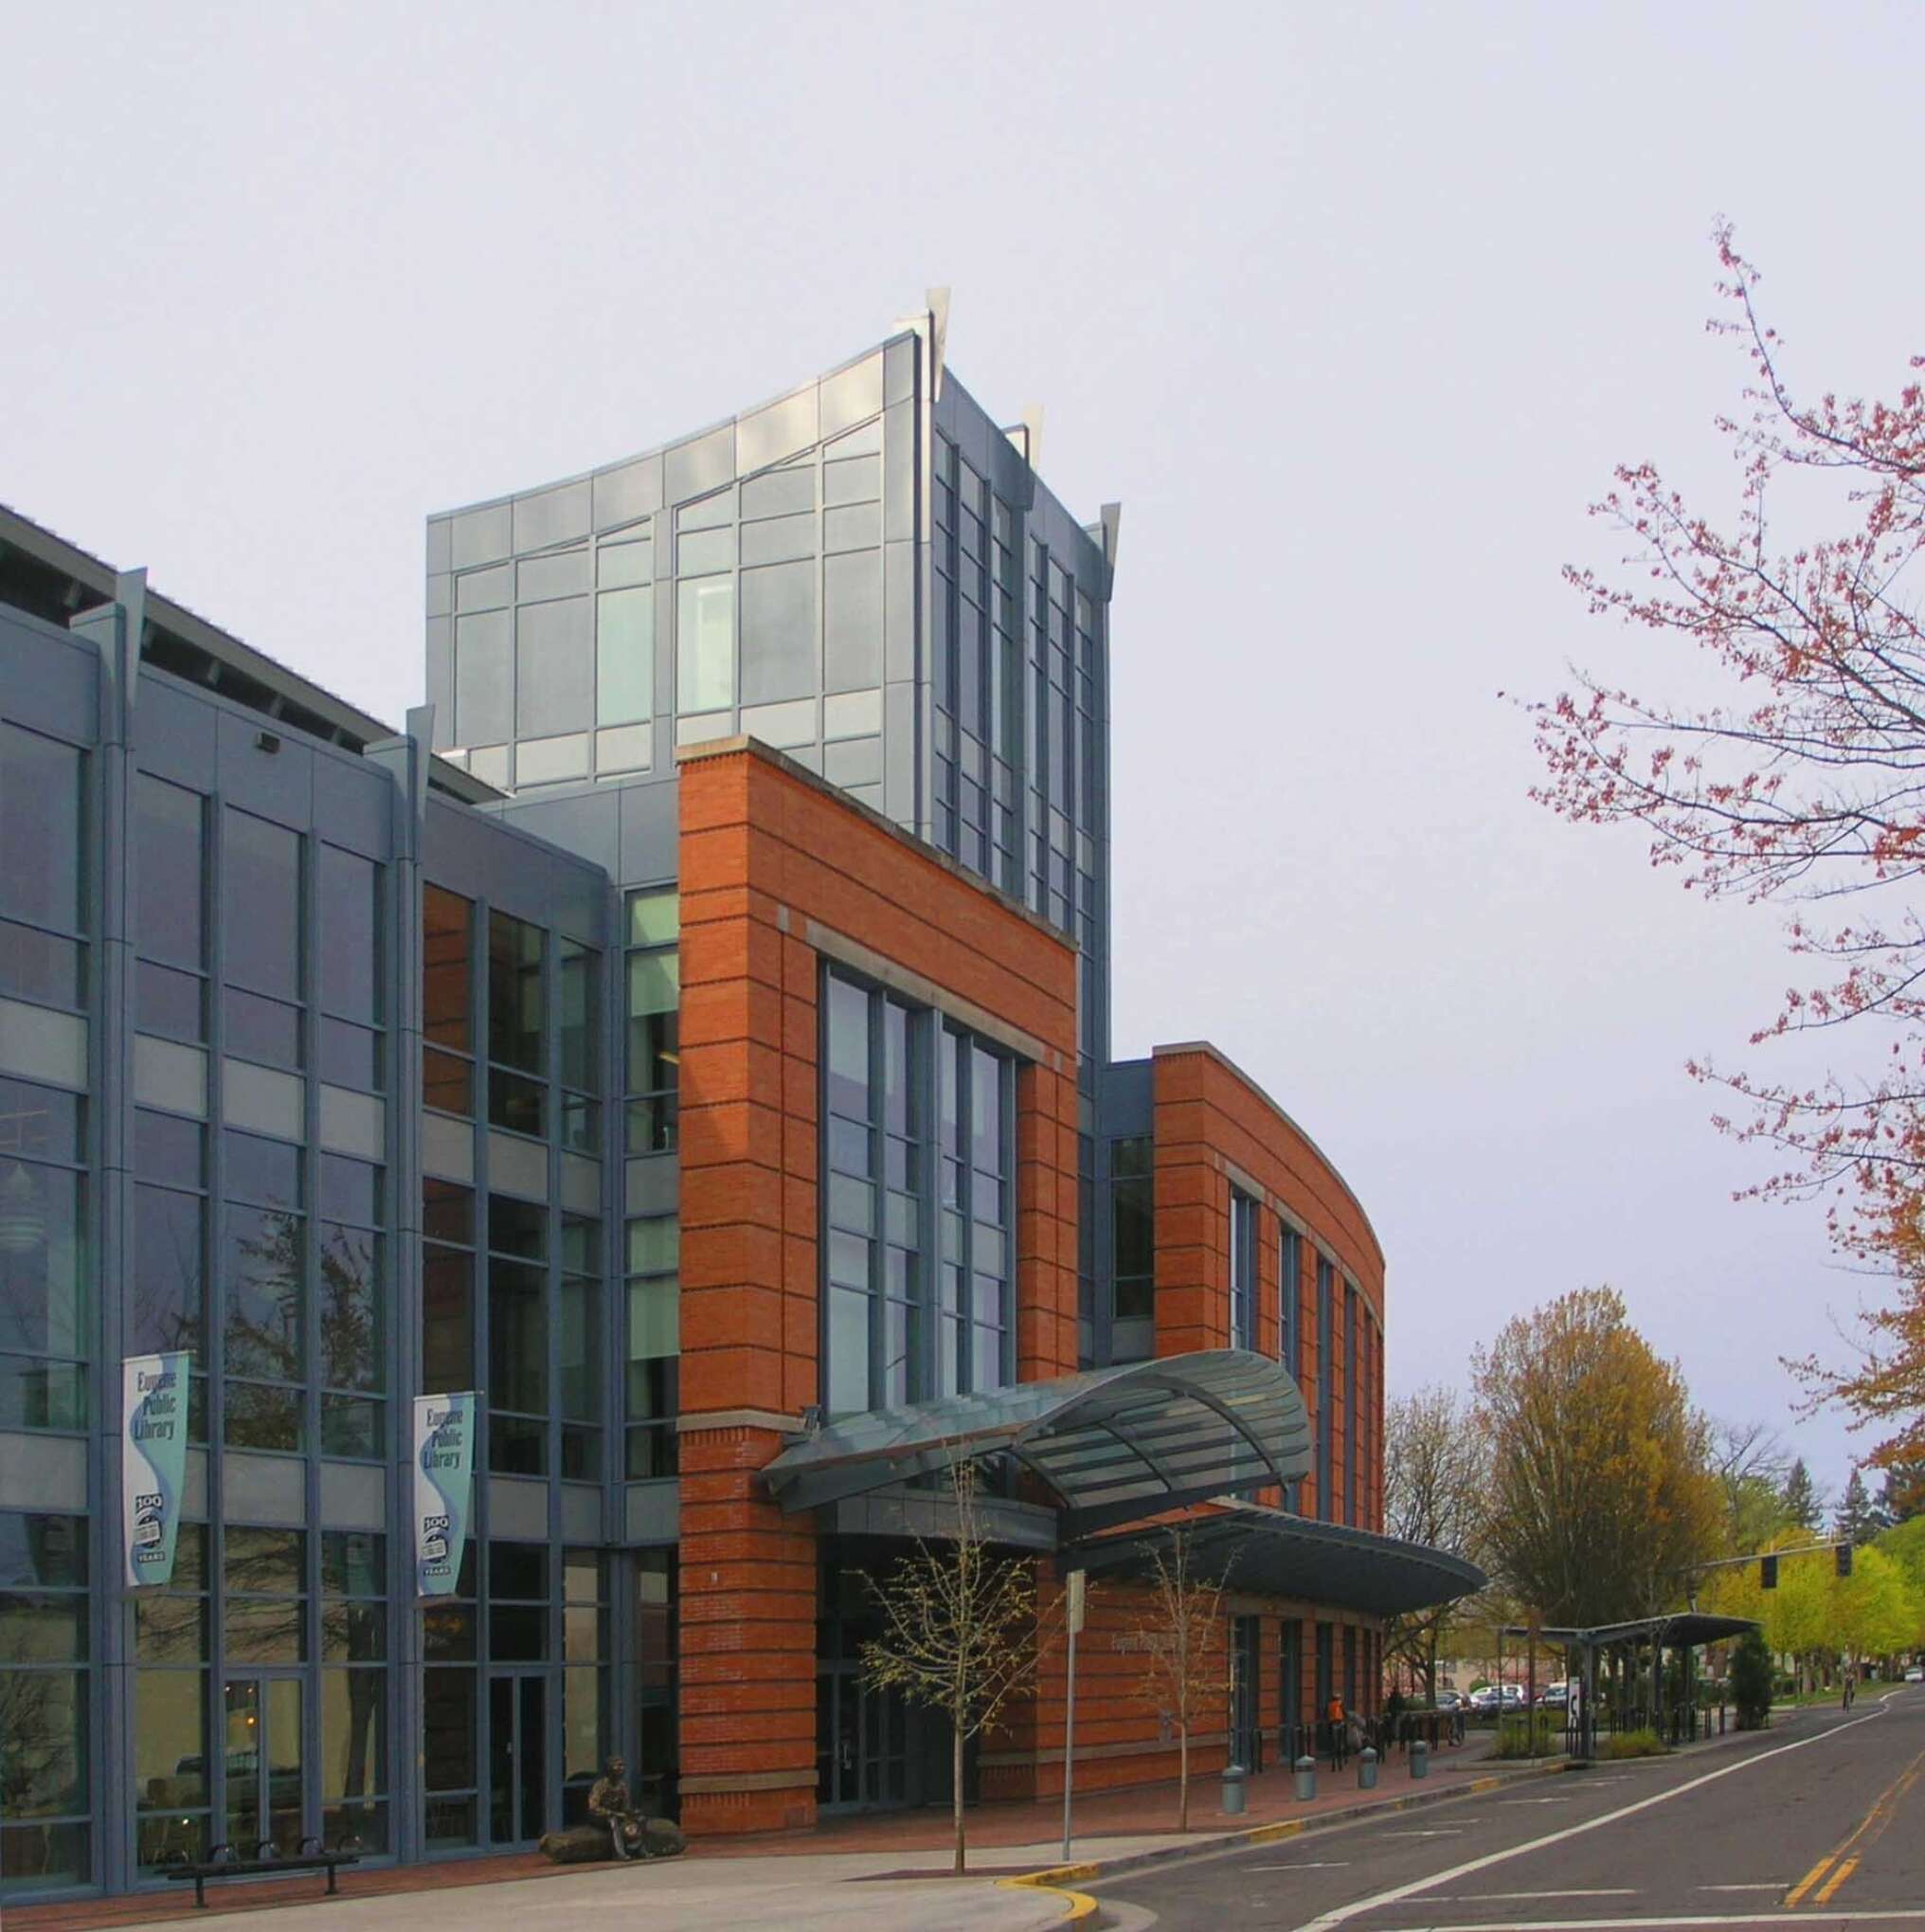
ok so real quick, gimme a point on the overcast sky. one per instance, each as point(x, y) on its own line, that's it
point(1353, 309)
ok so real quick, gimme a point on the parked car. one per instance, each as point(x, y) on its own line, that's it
point(1514, 1697)
point(1556, 1696)
point(1452, 1700)
point(1486, 1697)
point(1915, 1674)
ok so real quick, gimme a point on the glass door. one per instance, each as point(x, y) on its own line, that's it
point(266, 1761)
point(861, 1744)
point(517, 1757)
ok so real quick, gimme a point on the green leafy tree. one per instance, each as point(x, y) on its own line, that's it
point(1803, 1503)
point(1750, 1680)
point(1601, 1493)
point(1876, 1611)
point(1857, 1520)
point(1903, 1494)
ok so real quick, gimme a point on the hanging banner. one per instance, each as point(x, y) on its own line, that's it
point(154, 1461)
point(443, 1487)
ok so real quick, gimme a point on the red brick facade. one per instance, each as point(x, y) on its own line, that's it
point(778, 871)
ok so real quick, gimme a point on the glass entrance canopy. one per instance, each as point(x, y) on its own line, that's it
point(1111, 1446)
point(1273, 1553)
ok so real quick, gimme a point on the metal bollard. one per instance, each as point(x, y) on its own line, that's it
point(1306, 1776)
point(1420, 1758)
point(1366, 1769)
point(1234, 1775)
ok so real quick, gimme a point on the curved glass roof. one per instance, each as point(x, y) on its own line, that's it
point(1272, 1552)
point(1112, 1445)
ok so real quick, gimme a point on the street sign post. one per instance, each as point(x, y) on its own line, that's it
point(1076, 1582)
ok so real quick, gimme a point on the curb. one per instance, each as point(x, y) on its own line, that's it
point(1079, 1905)
point(1059, 1878)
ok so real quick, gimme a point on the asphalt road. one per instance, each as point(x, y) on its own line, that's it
point(1822, 1821)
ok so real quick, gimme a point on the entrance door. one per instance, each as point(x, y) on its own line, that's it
point(517, 1757)
point(1246, 1692)
point(861, 1744)
point(266, 1764)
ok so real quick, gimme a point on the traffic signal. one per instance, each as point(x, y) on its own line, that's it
point(1768, 1573)
point(1841, 1552)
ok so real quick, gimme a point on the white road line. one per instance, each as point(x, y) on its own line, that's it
point(1775, 1884)
point(1539, 1801)
point(1609, 1891)
point(1398, 1893)
point(1308, 1864)
point(1659, 1921)
point(1435, 1832)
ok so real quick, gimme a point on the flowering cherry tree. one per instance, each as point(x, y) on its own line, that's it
point(1802, 783)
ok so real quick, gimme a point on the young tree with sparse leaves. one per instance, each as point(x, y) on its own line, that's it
point(1182, 1635)
point(959, 1630)
point(1799, 784)
point(1437, 1480)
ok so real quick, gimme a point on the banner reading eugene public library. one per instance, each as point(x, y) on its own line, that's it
point(154, 1461)
point(443, 1487)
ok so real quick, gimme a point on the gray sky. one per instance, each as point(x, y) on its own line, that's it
point(1353, 309)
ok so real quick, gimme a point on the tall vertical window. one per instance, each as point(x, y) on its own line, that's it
point(43, 1685)
point(44, 874)
point(45, 1312)
point(350, 953)
point(1352, 1340)
point(172, 1647)
point(447, 1288)
point(1326, 1391)
point(261, 901)
point(654, 1344)
point(1242, 1270)
point(655, 998)
point(578, 991)
point(1133, 1248)
point(585, 1653)
point(579, 1355)
point(918, 1263)
point(517, 1336)
point(170, 911)
point(353, 1687)
point(167, 1303)
point(447, 1000)
point(263, 1276)
point(353, 1307)
point(1289, 1290)
point(517, 1086)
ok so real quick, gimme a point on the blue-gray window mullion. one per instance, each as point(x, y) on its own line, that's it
point(878, 1206)
point(924, 1043)
point(213, 1322)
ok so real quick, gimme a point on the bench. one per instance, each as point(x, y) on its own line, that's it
point(224, 1861)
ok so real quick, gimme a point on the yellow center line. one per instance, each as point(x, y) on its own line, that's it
point(1837, 1879)
point(1846, 1856)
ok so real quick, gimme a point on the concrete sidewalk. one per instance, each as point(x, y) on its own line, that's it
point(891, 1869)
